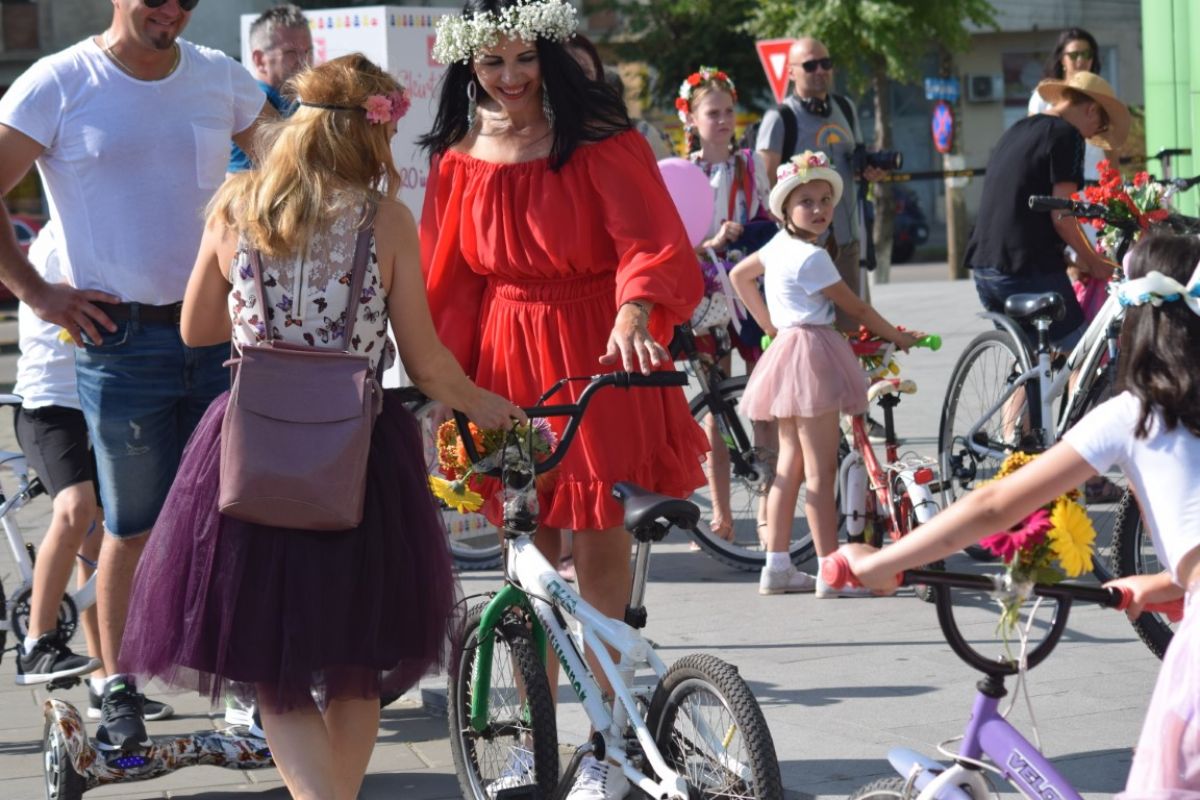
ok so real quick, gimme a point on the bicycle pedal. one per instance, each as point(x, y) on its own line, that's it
point(63, 683)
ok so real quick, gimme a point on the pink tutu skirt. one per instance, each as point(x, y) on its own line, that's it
point(808, 371)
point(1166, 764)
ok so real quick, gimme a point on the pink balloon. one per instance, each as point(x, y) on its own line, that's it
point(692, 193)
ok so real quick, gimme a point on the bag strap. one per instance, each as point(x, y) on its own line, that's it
point(791, 131)
point(848, 112)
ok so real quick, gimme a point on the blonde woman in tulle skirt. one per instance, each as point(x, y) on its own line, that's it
point(809, 375)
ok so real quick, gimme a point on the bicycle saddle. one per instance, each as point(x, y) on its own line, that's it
point(643, 508)
point(1048, 304)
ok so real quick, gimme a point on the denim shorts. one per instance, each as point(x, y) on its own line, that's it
point(995, 287)
point(143, 392)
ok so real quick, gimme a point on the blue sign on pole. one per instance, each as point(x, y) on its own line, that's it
point(942, 89)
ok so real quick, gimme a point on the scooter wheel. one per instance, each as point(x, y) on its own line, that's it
point(62, 781)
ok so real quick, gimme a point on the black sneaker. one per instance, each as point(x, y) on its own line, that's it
point(121, 723)
point(152, 710)
point(51, 659)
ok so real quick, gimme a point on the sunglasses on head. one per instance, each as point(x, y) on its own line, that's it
point(811, 65)
point(1079, 55)
point(185, 5)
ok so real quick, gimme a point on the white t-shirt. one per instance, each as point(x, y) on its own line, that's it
point(1164, 469)
point(795, 272)
point(46, 367)
point(129, 165)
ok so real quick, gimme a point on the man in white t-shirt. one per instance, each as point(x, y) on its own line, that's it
point(130, 131)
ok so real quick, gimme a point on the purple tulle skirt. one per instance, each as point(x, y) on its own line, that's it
point(221, 605)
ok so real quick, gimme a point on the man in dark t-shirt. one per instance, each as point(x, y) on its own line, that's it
point(1014, 249)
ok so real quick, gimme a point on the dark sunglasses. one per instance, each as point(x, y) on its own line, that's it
point(185, 5)
point(1079, 55)
point(811, 65)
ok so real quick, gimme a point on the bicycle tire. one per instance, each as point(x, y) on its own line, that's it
point(529, 725)
point(3, 620)
point(745, 552)
point(982, 374)
point(884, 788)
point(474, 542)
point(709, 775)
point(1133, 554)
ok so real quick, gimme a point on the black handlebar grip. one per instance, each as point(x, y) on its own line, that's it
point(665, 378)
point(1046, 203)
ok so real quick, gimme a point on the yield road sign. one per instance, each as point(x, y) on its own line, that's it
point(773, 53)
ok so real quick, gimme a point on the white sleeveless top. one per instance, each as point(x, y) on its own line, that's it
point(308, 295)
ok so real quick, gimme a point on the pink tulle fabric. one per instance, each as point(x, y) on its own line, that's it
point(1166, 763)
point(808, 371)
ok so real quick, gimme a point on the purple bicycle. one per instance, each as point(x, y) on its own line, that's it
point(988, 734)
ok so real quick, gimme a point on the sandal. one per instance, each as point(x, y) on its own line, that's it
point(1101, 490)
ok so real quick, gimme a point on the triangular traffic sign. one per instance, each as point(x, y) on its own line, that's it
point(773, 54)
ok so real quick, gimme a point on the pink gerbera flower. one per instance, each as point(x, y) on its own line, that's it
point(1028, 533)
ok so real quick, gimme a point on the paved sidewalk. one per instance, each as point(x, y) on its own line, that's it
point(839, 681)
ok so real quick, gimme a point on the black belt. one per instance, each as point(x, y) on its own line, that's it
point(142, 312)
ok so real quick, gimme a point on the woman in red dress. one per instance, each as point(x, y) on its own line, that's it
point(552, 249)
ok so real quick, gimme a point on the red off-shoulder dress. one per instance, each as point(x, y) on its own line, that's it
point(525, 268)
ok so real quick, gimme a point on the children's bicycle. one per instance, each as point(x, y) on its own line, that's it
point(988, 734)
point(698, 733)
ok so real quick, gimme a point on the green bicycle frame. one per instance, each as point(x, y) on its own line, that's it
point(481, 687)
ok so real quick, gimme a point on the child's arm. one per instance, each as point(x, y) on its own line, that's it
point(744, 278)
point(844, 298)
point(991, 508)
point(1158, 588)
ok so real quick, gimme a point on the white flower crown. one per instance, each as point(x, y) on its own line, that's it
point(459, 38)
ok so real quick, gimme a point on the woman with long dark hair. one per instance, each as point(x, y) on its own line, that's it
point(552, 249)
point(1075, 51)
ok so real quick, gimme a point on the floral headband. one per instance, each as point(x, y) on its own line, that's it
point(801, 163)
point(711, 76)
point(379, 108)
point(1155, 288)
point(459, 37)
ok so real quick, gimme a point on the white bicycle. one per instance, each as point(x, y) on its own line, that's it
point(699, 733)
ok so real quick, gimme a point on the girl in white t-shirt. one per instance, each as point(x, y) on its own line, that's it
point(1152, 431)
point(809, 374)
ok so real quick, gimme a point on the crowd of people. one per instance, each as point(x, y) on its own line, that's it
point(548, 246)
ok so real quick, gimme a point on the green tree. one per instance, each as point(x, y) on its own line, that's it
point(674, 37)
point(876, 42)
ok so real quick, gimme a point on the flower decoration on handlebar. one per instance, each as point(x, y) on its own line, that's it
point(1052, 543)
point(1143, 202)
point(457, 490)
point(706, 76)
point(871, 351)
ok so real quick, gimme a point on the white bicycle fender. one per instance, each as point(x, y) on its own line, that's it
point(904, 761)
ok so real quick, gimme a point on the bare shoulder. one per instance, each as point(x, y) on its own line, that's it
point(393, 215)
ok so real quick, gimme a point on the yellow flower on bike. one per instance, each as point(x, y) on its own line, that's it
point(1071, 536)
point(455, 494)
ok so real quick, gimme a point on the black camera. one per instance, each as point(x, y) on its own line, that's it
point(889, 160)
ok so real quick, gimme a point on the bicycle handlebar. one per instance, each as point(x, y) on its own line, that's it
point(836, 572)
point(574, 411)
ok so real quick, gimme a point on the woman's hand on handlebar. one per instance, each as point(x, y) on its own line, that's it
point(1147, 589)
point(630, 343)
point(861, 558)
point(490, 410)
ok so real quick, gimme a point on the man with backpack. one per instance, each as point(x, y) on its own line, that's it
point(812, 117)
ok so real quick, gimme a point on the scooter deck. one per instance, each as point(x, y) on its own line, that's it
point(166, 754)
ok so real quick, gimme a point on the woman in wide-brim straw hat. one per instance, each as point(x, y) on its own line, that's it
point(1115, 128)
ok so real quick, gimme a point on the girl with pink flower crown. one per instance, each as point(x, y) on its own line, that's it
point(1151, 430)
point(809, 375)
point(740, 188)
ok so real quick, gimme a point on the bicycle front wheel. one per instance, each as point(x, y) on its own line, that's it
point(747, 482)
point(519, 745)
point(1133, 553)
point(709, 728)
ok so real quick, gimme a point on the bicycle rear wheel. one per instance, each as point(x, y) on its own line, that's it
point(984, 372)
point(748, 485)
point(1134, 554)
point(519, 746)
point(709, 728)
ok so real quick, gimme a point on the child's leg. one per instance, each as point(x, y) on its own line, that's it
point(785, 490)
point(818, 439)
point(90, 553)
point(74, 510)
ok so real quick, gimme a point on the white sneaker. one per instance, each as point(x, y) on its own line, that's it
point(518, 771)
point(598, 780)
point(785, 581)
point(825, 592)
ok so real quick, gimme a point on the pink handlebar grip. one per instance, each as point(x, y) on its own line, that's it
point(1173, 609)
point(835, 571)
